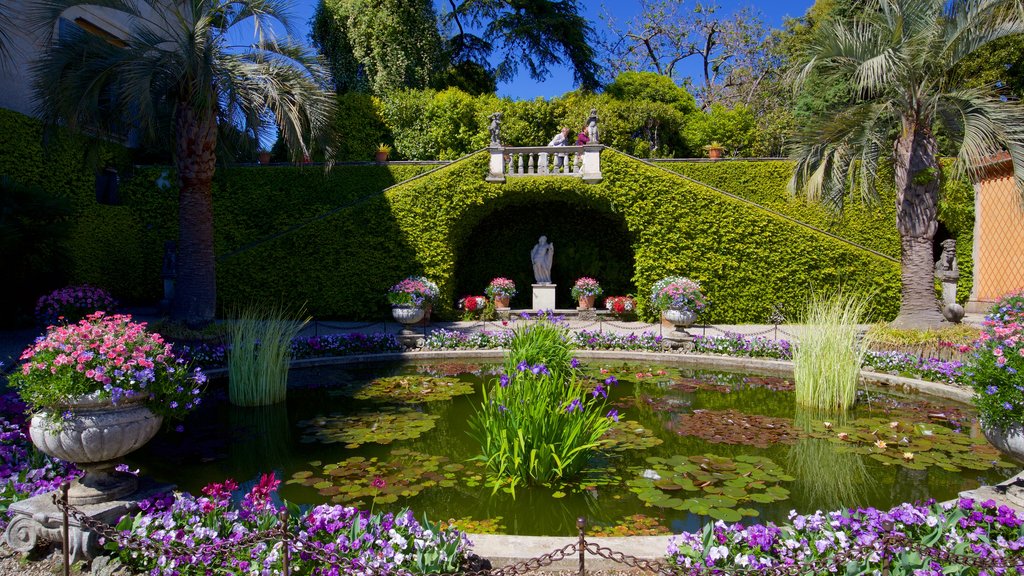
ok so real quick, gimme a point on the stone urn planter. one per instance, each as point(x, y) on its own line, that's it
point(681, 319)
point(94, 437)
point(407, 316)
point(1008, 441)
point(587, 302)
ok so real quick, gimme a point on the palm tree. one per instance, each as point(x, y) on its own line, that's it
point(179, 74)
point(6, 45)
point(900, 59)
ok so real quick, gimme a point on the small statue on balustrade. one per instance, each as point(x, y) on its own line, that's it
point(495, 129)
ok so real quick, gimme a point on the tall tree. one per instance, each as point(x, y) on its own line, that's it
point(379, 46)
point(177, 75)
point(534, 34)
point(664, 33)
point(901, 58)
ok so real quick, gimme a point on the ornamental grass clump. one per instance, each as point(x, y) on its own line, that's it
point(829, 354)
point(70, 304)
point(105, 358)
point(260, 354)
point(537, 424)
point(995, 370)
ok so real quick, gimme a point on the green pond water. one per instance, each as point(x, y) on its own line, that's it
point(691, 446)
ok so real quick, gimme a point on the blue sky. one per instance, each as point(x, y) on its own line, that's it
point(524, 87)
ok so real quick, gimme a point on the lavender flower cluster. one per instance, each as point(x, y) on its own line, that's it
point(215, 355)
point(977, 529)
point(591, 340)
point(734, 344)
point(443, 339)
point(904, 364)
point(184, 535)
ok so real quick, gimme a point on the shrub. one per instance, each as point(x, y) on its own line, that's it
point(70, 304)
point(260, 354)
point(536, 423)
point(995, 369)
point(828, 356)
point(106, 357)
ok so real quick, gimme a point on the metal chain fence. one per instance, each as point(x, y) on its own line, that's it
point(886, 549)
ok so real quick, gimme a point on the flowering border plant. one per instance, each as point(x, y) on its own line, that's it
point(620, 305)
point(586, 286)
point(106, 357)
point(415, 291)
point(996, 368)
point(678, 293)
point(501, 287)
point(473, 303)
point(72, 303)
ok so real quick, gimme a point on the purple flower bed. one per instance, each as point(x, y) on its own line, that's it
point(443, 339)
point(909, 365)
point(733, 344)
point(590, 340)
point(215, 355)
point(977, 529)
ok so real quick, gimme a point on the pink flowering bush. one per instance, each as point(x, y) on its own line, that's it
point(186, 535)
point(501, 287)
point(106, 357)
point(414, 291)
point(678, 293)
point(995, 369)
point(586, 286)
point(71, 304)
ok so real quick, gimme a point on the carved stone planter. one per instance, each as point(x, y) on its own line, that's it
point(94, 438)
point(1008, 441)
point(681, 319)
point(407, 316)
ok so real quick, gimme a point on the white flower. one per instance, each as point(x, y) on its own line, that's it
point(651, 474)
point(718, 552)
point(742, 559)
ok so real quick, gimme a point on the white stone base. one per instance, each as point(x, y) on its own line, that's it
point(544, 296)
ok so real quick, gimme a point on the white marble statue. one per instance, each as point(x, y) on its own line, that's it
point(542, 255)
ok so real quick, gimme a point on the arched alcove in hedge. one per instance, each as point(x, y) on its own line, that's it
point(588, 240)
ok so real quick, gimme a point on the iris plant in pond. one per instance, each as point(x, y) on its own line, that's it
point(414, 291)
point(996, 367)
point(537, 423)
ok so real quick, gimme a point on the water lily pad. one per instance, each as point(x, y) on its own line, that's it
point(381, 427)
point(635, 525)
point(735, 427)
point(913, 445)
point(472, 526)
point(408, 389)
point(404, 475)
point(628, 435)
point(720, 485)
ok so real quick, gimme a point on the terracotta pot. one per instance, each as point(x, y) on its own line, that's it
point(1008, 441)
point(715, 153)
point(381, 157)
point(501, 301)
point(587, 302)
point(264, 158)
point(407, 314)
point(95, 435)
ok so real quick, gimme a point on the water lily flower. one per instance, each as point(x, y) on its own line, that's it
point(908, 456)
point(843, 436)
point(828, 425)
point(880, 444)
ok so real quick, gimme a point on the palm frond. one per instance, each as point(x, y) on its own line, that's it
point(985, 126)
point(972, 24)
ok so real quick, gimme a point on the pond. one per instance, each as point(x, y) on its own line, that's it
point(690, 446)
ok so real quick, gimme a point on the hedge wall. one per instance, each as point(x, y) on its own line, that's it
point(872, 226)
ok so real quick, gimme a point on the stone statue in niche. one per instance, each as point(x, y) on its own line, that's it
point(495, 129)
point(592, 126)
point(948, 273)
point(542, 255)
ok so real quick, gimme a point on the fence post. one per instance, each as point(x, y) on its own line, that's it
point(65, 536)
point(582, 544)
point(286, 557)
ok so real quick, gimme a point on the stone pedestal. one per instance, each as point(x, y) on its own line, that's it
point(591, 172)
point(544, 297)
point(503, 313)
point(586, 314)
point(496, 166)
point(38, 522)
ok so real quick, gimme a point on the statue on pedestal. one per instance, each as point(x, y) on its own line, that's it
point(495, 129)
point(592, 126)
point(947, 271)
point(542, 255)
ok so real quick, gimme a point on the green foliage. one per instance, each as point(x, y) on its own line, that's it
point(735, 128)
point(884, 336)
point(631, 86)
point(537, 424)
point(260, 354)
point(358, 127)
point(829, 354)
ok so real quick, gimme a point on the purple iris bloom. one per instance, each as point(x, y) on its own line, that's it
point(503, 381)
point(611, 381)
point(574, 406)
point(614, 415)
point(574, 363)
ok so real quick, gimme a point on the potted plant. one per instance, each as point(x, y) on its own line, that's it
point(997, 377)
point(620, 306)
point(501, 290)
point(70, 304)
point(586, 290)
point(679, 299)
point(715, 150)
point(264, 156)
point(383, 151)
point(474, 306)
point(98, 390)
point(410, 298)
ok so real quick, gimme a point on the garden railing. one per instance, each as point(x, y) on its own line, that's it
point(578, 161)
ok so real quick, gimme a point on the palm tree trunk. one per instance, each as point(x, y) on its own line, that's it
point(917, 195)
point(195, 293)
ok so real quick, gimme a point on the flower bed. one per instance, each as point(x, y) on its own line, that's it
point(590, 340)
point(903, 364)
point(995, 371)
point(215, 355)
point(70, 304)
point(733, 344)
point(454, 340)
point(976, 529)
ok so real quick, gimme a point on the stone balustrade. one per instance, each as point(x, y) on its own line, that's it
point(577, 161)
